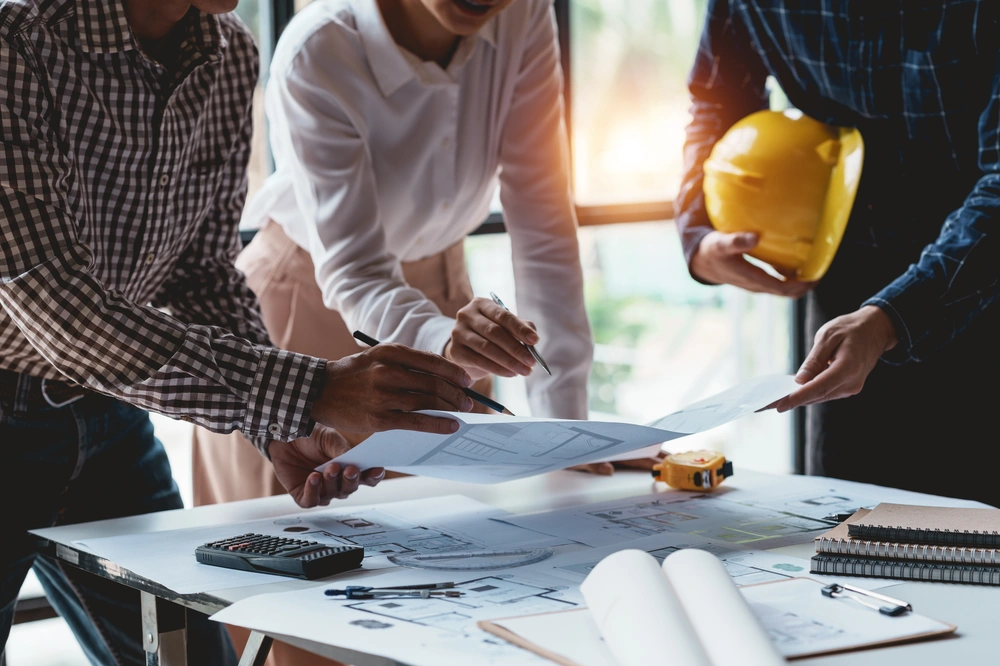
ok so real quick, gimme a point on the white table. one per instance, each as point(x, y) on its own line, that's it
point(974, 609)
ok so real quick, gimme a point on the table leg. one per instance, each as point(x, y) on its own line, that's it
point(257, 647)
point(163, 631)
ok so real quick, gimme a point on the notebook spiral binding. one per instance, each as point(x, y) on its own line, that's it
point(904, 569)
point(943, 537)
point(910, 551)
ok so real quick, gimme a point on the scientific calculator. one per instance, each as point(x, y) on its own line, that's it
point(262, 553)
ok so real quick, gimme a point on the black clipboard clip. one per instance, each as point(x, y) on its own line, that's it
point(888, 606)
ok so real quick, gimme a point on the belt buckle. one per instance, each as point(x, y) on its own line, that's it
point(74, 396)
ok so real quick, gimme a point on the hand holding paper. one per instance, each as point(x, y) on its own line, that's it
point(488, 448)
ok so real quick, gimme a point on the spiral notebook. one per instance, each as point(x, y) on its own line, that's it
point(838, 541)
point(942, 526)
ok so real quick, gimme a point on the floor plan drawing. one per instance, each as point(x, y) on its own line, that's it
point(519, 448)
point(745, 567)
point(489, 448)
point(705, 515)
point(483, 598)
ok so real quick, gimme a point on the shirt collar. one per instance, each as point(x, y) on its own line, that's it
point(103, 28)
point(387, 63)
point(390, 66)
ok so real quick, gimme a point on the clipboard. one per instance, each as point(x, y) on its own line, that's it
point(793, 595)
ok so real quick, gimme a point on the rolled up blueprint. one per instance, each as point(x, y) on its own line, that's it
point(687, 612)
point(726, 626)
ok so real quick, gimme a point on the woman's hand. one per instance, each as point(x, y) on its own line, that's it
point(487, 340)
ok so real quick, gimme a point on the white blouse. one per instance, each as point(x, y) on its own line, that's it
point(383, 158)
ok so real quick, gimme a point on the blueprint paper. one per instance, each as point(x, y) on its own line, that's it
point(751, 510)
point(425, 526)
point(489, 448)
point(443, 631)
point(799, 619)
point(432, 632)
point(744, 566)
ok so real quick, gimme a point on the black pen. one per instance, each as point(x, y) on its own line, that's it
point(478, 397)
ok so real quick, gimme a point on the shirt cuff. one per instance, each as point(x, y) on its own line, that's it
point(434, 334)
point(900, 353)
point(284, 390)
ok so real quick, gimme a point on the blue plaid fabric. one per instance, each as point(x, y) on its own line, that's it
point(921, 81)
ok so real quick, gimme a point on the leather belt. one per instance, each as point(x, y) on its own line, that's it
point(27, 393)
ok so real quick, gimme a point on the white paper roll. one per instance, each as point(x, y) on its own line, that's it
point(639, 616)
point(726, 627)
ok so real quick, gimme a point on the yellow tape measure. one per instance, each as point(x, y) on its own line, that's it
point(693, 470)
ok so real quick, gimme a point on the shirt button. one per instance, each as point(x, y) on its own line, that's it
point(164, 179)
point(274, 429)
point(445, 142)
point(446, 205)
point(150, 258)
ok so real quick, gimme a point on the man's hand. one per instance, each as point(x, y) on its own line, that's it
point(845, 351)
point(378, 389)
point(719, 259)
point(295, 466)
point(487, 340)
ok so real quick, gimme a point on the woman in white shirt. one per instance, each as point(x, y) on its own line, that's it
point(392, 122)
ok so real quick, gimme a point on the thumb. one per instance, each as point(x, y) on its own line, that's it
point(329, 441)
point(742, 242)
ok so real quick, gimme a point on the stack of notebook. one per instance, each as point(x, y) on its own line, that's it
point(910, 542)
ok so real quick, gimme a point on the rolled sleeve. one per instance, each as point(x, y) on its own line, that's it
point(727, 83)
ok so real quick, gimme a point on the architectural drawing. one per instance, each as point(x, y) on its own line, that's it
point(705, 515)
point(746, 567)
point(489, 448)
point(483, 598)
point(519, 449)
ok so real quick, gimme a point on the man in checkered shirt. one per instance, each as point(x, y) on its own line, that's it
point(920, 260)
point(124, 138)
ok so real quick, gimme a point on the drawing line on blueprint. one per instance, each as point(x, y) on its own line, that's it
point(485, 444)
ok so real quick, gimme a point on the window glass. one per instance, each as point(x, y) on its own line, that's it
point(630, 60)
point(260, 161)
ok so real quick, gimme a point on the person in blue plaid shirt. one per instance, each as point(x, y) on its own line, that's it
point(920, 261)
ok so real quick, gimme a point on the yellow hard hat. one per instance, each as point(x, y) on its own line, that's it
point(791, 179)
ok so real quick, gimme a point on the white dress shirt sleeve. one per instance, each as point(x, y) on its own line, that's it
point(538, 210)
point(335, 190)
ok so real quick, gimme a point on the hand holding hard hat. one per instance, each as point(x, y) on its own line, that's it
point(786, 181)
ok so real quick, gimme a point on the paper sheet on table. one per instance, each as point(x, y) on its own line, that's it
point(800, 620)
point(426, 526)
point(752, 509)
point(419, 632)
point(489, 448)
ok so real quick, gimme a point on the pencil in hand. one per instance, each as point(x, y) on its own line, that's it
point(475, 395)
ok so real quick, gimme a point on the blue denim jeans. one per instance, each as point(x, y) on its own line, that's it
point(94, 459)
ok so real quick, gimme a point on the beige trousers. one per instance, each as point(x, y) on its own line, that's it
point(281, 274)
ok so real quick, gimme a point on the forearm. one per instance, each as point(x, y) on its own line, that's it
point(953, 281)
point(726, 83)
